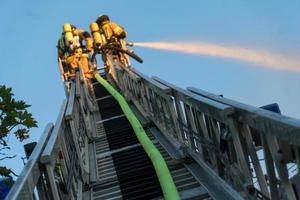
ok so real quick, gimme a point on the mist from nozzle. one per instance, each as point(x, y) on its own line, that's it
point(259, 57)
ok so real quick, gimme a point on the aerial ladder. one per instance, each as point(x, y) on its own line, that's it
point(141, 137)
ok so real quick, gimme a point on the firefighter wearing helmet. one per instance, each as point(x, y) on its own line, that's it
point(109, 39)
point(74, 53)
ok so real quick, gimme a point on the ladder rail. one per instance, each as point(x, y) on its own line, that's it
point(59, 163)
point(23, 187)
point(221, 133)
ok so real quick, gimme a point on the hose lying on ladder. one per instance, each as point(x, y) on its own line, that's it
point(165, 179)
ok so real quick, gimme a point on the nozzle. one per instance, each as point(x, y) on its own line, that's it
point(130, 44)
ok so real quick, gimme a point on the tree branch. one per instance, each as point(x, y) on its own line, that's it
point(4, 148)
point(1, 115)
point(3, 142)
point(3, 154)
point(12, 127)
point(11, 171)
point(7, 157)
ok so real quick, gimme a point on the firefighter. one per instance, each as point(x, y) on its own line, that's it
point(72, 53)
point(109, 40)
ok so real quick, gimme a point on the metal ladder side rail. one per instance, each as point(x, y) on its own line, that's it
point(39, 170)
point(31, 176)
point(159, 106)
point(59, 165)
point(219, 133)
point(66, 160)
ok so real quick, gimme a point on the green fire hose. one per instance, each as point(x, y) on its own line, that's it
point(165, 179)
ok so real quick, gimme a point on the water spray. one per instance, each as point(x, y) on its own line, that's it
point(259, 57)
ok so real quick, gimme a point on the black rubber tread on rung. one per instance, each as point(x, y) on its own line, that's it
point(187, 186)
point(132, 159)
point(105, 185)
point(125, 139)
point(133, 180)
point(176, 166)
point(134, 188)
point(122, 138)
point(117, 130)
point(140, 155)
point(178, 177)
point(117, 120)
point(125, 131)
point(117, 145)
point(144, 193)
point(135, 155)
point(142, 186)
point(133, 170)
point(143, 177)
point(122, 143)
point(167, 159)
point(122, 132)
point(139, 170)
point(120, 135)
point(108, 113)
point(107, 103)
point(147, 192)
point(116, 124)
point(151, 195)
point(133, 162)
point(136, 163)
point(136, 150)
point(125, 176)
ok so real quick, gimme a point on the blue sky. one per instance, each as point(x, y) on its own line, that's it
point(30, 29)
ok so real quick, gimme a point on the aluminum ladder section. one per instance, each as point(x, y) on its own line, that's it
point(59, 167)
point(123, 169)
point(216, 140)
point(84, 155)
point(234, 150)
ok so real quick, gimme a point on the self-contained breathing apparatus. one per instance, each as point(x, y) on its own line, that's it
point(109, 40)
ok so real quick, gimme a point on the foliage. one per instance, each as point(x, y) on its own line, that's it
point(14, 119)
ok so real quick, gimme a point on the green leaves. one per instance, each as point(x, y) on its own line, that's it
point(5, 171)
point(14, 119)
point(14, 116)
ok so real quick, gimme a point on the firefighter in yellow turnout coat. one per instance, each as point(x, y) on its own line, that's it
point(72, 51)
point(108, 38)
